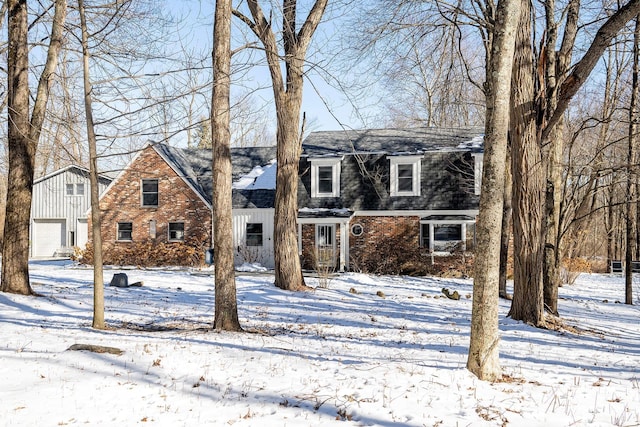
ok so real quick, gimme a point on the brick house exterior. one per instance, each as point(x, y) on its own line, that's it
point(177, 204)
point(164, 197)
point(360, 192)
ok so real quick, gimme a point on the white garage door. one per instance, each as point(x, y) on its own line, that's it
point(48, 236)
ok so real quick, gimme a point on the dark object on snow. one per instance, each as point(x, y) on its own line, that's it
point(120, 280)
point(455, 295)
point(96, 349)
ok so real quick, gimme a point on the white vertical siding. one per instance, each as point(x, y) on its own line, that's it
point(50, 201)
point(243, 253)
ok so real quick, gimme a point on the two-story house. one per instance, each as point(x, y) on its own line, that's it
point(355, 189)
point(59, 209)
point(361, 187)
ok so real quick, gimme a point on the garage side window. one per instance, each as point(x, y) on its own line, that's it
point(150, 192)
point(125, 231)
point(254, 234)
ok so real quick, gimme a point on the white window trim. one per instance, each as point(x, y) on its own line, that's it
point(478, 159)
point(335, 185)
point(142, 193)
point(415, 162)
point(118, 239)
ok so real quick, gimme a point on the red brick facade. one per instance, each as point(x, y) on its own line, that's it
point(176, 203)
point(378, 231)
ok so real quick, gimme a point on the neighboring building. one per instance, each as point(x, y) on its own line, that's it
point(59, 209)
point(356, 189)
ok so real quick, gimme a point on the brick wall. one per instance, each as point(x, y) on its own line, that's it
point(177, 203)
point(379, 231)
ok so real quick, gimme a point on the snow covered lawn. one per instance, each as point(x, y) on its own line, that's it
point(366, 351)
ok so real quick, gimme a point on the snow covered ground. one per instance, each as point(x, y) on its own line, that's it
point(366, 351)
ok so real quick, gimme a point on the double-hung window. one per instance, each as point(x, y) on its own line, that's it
point(325, 177)
point(150, 193)
point(74, 189)
point(125, 231)
point(404, 175)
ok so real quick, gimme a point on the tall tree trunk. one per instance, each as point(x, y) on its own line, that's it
point(226, 305)
point(288, 99)
point(288, 272)
point(15, 249)
point(483, 359)
point(23, 135)
point(96, 223)
point(634, 119)
point(528, 183)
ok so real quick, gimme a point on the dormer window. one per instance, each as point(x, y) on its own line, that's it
point(405, 175)
point(325, 177)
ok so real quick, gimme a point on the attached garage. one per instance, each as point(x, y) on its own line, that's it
point(48, 235)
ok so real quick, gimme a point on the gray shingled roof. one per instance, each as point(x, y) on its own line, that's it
point(194, 165)
point(391, 141)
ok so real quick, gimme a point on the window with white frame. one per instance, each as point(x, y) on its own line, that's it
point(176, 231)
point(325, 177)
point(125, 231)
point(80, 189)
point(405, 175)
point(150, 192)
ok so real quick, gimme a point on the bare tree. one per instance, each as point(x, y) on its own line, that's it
point(529, 136)
point(98, 278)
point(24, 127)
point(634, 119)
point(226, 310)
point(287, 92)
point(483, 359)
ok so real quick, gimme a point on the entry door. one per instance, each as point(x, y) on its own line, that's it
point(326, 245)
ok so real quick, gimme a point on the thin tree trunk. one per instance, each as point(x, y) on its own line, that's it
point(226, 306)
point(634, 118)
point(551, 275)
point(96, 223)
point(506, 229)
point(528, 184)
point(483, 358)
point(23, 135)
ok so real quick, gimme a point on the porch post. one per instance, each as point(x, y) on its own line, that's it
point(463, 231)
point(431, 239)
point(343, 246)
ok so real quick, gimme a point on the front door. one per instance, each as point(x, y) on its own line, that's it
point(326, 245)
